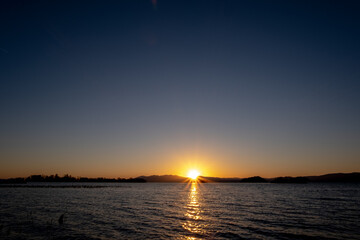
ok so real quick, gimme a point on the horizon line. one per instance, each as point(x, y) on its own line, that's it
point(161, 175)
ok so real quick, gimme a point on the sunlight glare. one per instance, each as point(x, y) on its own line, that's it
point(193, 174)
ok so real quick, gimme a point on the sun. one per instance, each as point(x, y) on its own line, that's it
point(193, 174)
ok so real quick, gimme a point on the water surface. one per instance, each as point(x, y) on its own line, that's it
point(181, 211)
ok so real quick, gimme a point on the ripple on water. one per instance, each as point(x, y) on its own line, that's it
point(180, 211)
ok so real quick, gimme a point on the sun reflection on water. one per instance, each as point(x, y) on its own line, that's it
point(194, 221)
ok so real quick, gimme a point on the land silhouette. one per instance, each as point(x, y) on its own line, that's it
point(67, 178)
point(334, 177)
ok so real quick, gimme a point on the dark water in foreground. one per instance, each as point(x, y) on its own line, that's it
point(182, 211)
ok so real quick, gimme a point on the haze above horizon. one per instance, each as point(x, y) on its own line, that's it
point(130, 88)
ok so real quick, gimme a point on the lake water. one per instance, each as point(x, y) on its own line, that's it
point(182, 211)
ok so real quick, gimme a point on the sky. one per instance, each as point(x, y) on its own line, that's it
point(129, 88)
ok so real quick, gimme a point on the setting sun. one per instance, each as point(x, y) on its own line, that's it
point(193, 174)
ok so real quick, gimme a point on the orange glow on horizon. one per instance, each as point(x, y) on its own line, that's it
point(181, 164)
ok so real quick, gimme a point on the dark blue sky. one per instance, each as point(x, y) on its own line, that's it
point(125, 88)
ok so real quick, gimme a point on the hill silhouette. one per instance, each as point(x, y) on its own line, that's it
point(290, 180)
point(333, 177)
point(163, 178)
point(66, 178)
point(255, 179)
point(336, 177)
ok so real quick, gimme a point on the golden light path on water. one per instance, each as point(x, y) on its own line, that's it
point(194, 222)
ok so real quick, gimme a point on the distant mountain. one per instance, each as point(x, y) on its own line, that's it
point(255, 179)
point(175, 178)
point(164, 178)
point(333, 177)
point(336, 177)
point(217, 179)
point(290, 180)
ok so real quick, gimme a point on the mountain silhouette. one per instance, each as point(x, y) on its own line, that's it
point(333, 177)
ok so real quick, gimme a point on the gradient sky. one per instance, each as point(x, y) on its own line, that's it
point(129, 88)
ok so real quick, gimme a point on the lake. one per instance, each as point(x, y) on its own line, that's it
point(180, 211)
